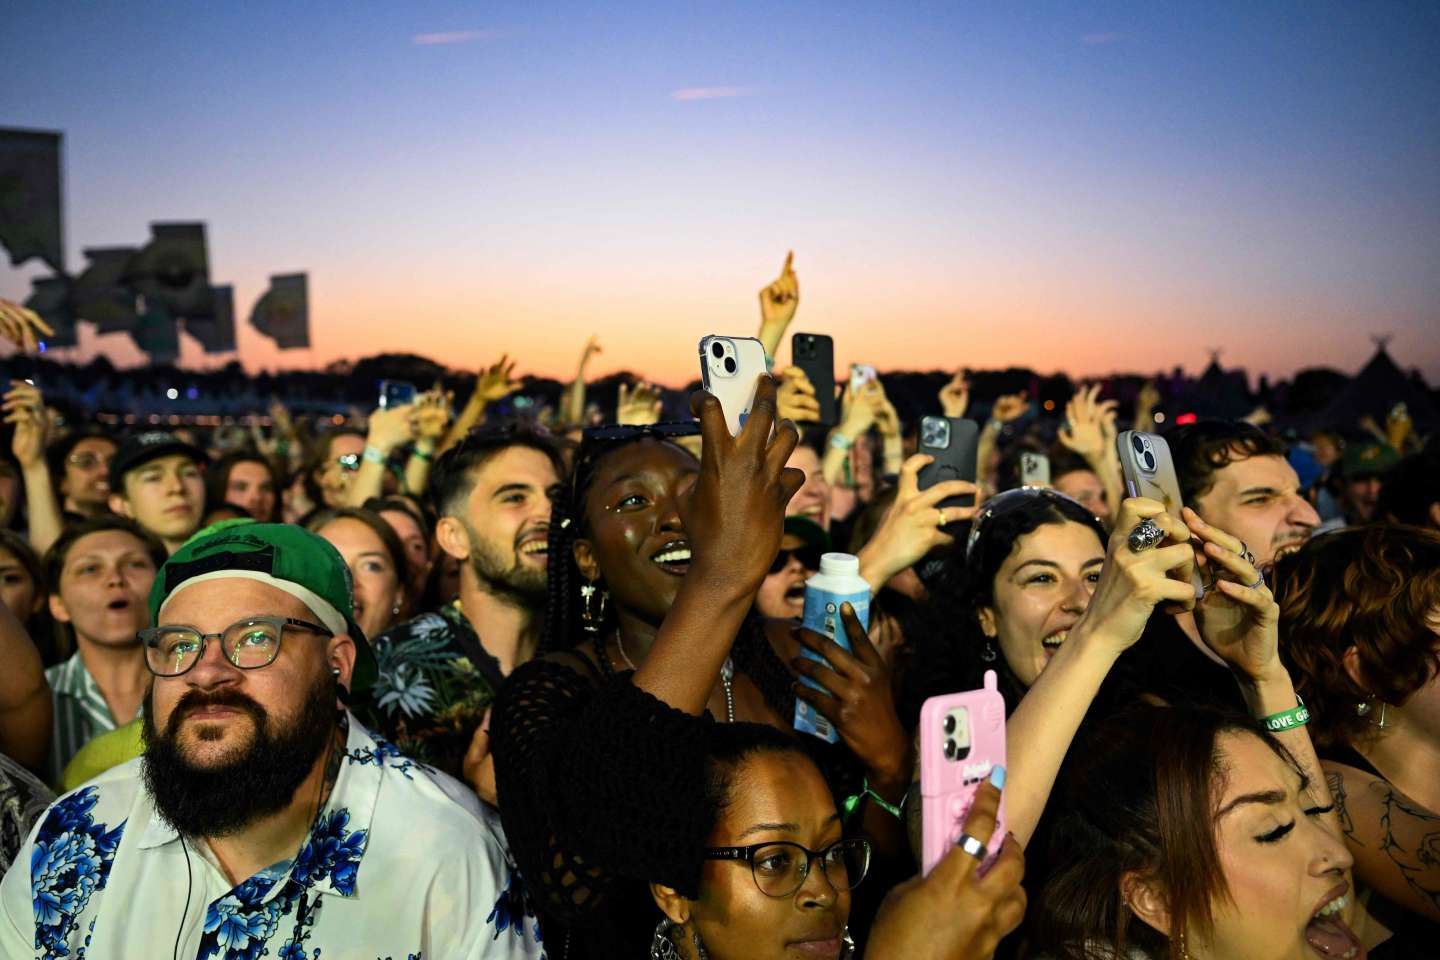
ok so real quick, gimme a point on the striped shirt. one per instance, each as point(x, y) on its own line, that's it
point(80, 713)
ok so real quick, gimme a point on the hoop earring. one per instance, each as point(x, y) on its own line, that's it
point(662, 947)
point(592, 614)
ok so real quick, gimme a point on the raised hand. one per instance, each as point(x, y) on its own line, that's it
point(1238, 617)
point(953, 913)
point(796, 398)
point(432, 414)
point(1089, 428)
point(778, 302)
point(1010, 406)
point(22, 326)
point(735, 515)
point(887, 421)
point(1133, 583)
point(640, 406)
point(25, 408)
point(857, 413)
point(495, 382)
point(955, 395)
point(389, 428)
point(858, 700)
point(912, 527)
point(591, 348)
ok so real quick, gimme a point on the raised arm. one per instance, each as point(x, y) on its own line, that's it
point(572, 403)
point(25, 408)
point(494, 383)
point(1089, 431)
point(778, 302)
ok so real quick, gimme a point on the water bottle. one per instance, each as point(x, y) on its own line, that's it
point(838, 582)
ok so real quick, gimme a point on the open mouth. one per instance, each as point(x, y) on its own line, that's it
point(535, 546)
point(673, 558)
point(795, 593)
point(118, 604)
point(1052, 642)
point(1328, 934)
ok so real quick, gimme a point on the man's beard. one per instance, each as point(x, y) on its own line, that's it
point(523, 585)
point(259, 780)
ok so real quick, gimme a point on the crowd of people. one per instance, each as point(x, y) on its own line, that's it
point(445, 682)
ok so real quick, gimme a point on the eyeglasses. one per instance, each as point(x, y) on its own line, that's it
point(780, 867)
point(1003, 503)
point(809, 558)
point(350, 462)
point(249, 644)
point(87, 461)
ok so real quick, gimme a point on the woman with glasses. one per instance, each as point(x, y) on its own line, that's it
point(776, 870)
point(656, 559)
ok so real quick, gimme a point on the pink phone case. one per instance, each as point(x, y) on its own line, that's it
point(948, 783)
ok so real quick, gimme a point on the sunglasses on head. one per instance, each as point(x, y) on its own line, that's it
point(665, 430)
point(1003, 503)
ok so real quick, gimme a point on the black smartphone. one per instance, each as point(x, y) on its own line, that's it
point(952, 441)
point(815, 354)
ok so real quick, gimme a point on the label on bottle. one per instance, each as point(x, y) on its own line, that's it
point(822, 615)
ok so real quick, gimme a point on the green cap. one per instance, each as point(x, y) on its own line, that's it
point(1366, 459)
point(810, 533)
point(287, 557)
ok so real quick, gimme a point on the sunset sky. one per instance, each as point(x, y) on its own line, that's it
point(1082, 187)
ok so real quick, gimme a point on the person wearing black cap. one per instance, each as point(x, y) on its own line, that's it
point(156, 480)
point(262, 819)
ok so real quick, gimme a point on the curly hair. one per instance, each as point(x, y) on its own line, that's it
point(1372, 588)
point(1204, 448)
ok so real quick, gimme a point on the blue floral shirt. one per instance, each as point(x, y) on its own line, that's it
point(403, 863)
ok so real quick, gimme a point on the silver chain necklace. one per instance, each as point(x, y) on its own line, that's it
point(727, 677)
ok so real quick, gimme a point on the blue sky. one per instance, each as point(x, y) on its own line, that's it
point(1087, 187)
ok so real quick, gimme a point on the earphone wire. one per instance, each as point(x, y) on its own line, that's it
point(189, 879)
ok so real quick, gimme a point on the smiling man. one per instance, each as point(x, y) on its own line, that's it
point(156, 480)
point(262, 819)
point(439, 671)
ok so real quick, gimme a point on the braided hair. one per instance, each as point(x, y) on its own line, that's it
point(751, 654)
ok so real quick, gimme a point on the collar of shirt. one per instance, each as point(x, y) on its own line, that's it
point(71, 679)
point(330, 857)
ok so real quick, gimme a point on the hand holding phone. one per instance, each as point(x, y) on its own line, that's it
point(730, 369)
point(1149, 471)
point(962, 742)
point(814, 353)
point(861, 374)
point(396, 393)
point(953, 443)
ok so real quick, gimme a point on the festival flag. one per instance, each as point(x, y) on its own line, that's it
point(155, 333)
point(30, 217)
point(50, 298)
point(101, 295)
point(174, 269)
point(283, 313)
point(216, 333)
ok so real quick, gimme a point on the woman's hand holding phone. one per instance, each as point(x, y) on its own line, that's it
point(953, 914)
point(911, 528)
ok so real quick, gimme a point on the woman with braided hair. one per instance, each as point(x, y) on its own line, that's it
point(650, 640)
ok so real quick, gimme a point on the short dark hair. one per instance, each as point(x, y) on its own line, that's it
point(1370, 587)
point(217, 478)
point(1204, 448)
point(1410, 488)
point(453, 476)
point(58, 453)
point(59, 551)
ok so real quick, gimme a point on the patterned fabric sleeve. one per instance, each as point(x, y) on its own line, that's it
point(598, 781)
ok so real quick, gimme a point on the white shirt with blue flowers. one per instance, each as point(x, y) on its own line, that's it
point(402, 864)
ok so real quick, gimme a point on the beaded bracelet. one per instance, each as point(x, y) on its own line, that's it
point(1296, 716)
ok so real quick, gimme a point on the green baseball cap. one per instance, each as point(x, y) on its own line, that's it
point(1368, 459)
point(287, 557)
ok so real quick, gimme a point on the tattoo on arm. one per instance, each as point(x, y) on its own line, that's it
point(1416, 852)
point(1337, 793)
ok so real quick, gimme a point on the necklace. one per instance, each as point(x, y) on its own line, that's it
point(727, 677)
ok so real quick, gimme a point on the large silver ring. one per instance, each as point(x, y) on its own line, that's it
point(1259, 579)
point(1146, 534)
point(1246, 555)
point(971, 845)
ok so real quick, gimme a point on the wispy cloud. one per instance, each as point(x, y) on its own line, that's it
point(1100, 39)
point(708, 93)
point(453, 36)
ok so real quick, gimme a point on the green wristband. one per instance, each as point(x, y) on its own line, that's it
point(1297, 716)
point(421, 454)
point(852, 804)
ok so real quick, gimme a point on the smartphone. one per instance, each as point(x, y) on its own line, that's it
point(731, 368)
point(861, 374)
point(1149, 471)
point(952, 441)
point(815, 354)
point(396, 393)
point(962, 738)
point(1034, 470)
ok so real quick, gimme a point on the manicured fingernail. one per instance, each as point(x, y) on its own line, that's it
point(997, 776)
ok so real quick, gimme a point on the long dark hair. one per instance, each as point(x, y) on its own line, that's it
point(1138, 800)
point(950, 655)
point(751, 653)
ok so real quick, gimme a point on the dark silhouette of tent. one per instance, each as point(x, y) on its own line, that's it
point(1218, 393)
point(1374, 392)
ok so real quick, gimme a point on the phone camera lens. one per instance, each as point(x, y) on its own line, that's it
point(950, 749)
point(949, 724)
point(718, 349)
point(1138, 443)
point(729, 364)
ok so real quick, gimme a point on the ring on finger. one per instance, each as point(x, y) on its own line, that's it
point(1146, 534)
point(1259, 581)
point(941, 512)
point(971, 845)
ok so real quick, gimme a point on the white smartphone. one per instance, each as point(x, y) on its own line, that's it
point(861, 374)
point(731, 368)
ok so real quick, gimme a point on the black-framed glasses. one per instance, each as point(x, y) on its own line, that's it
point(780, 867)
point(809, 558)
point(248, 644)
